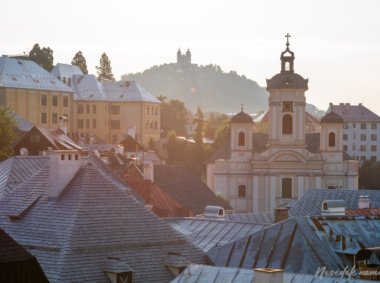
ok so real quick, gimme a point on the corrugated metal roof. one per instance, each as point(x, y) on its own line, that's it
point(205, 273)
point(207, 233)
point(87, 87)
point(26, 74)
point(311, 201)
point(301, 244)
point(252, 217)
point(94, 219)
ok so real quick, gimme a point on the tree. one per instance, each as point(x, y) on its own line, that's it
point(222, 134)
point(212, 123)
point(198, 151)
point(171, 146)
point(104, 69)
point(369, 175)
point(173, 116)
point(7, 132)
point(80, 61)
point(43, 57)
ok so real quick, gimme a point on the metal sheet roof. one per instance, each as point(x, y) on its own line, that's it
point(205, 273)
point(207, 233)
point(252, 217)
point(26, 74)
point(354, 113)
point(65, 71)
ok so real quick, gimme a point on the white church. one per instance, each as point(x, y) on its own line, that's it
point(258, 172)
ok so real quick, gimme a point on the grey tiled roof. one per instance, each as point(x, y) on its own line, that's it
point(94, 221)
point(301, 244)
point(352, 113)
point(207, 233)
point(65, 71)
point(311, 201)
point(26, 74)
point(205, 273)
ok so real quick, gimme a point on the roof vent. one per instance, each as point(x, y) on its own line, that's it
point(364, 202)
point(214, 211)
point(333, 207)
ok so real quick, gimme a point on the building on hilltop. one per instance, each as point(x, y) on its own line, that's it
point(361, 131)
point(258, 172)
point(183, 60)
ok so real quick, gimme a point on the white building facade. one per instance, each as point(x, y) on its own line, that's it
point(259, 181)
point(361, 133)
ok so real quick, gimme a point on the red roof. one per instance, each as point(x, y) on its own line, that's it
point(363, 212)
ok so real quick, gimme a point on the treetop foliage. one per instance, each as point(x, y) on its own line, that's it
point(80, 61)
point(43, 57)
point(104, 69)
point(7, 132)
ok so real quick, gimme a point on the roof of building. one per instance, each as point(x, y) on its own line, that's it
point(252, 217)
point(311, 201)
point(287, 80)
point(65, 71)
point(363, 211)
point(22, 124)
point(205, 273)
point(331, 118)
point(94, 221)
point(17, 264)
point(131, 145)
point(354, 113)
point(264, 117)
point(207, 233)
point(26, 74)
point(301, 244)
point(87, 87)
point(186, 188)
point(241, 117)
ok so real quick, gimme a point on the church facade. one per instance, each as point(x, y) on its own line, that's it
point(264, 171)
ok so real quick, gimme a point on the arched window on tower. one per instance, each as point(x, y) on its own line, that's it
point(286, 188)
point(331, 139)
point(287, 125)
point(241, 139)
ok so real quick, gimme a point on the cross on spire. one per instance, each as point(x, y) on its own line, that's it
point(287, 39)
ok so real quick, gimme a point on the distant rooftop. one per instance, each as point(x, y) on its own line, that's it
point(26, 74)
point(354, 113)
point(65, 71)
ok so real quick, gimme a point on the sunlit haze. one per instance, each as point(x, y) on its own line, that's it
point(336, 43)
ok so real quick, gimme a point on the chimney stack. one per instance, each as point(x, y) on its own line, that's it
point(280, 214)
point(364, 202)
point(63, 165)
point(148, 171)
point(62, 124)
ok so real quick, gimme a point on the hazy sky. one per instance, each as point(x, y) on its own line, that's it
point(336, 42)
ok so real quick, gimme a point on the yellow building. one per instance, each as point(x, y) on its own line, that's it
point(34, 93)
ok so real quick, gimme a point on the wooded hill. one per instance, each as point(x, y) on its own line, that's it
point(205, 86)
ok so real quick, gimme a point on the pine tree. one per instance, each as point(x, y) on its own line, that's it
point(80, 61)
point(43, 57)
point(104, 69)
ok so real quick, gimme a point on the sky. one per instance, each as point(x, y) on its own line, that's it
point(336, 42)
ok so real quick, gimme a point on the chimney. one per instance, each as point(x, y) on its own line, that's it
point(148, 171)
point(132, 132)
point(269, 275)
point(63, 165)
point(280, 214)
point(364, 202)
point(62, 124)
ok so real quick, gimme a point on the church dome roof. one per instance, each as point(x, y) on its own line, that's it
point(332, 118)
point(241, 117)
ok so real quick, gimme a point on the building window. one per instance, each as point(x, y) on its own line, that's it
point(373, 137)
point(69, 81)
point(286, 188)
point(80, 124)
point(345, 148)
point(147, 110)
point(94, 124)
point(373, 148)
point(362, 158)
point(114, 139)
point(43, 100)
point(353, 147)
point(43, 118)
point(354, 136)
point(287, 125)
point(80, 109)
point(242, 191)
point(115, 124)
point(87, 108)
point(363, 147)
point(87, 124)
point(373, 158)
point(373, 126)
point(363, 126)
point(331, 139)
point(345, 137)
point(54, 118)
point(363, 137)
point(155, 125)
point(55, 101)
point(65, 101)
point(115, 109)
point(241, 139)
point(94, 109)
point(354, 125)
